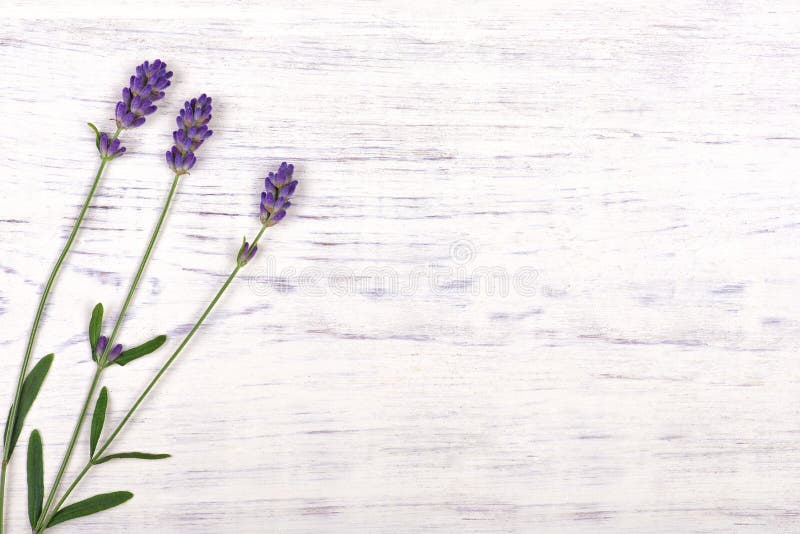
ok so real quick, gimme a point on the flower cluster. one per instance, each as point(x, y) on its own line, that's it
point(100, 348)
point(279, 189)
point(109, 148)
point(192, 131)
point(146, 86)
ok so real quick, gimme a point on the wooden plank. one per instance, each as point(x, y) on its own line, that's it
point(540, 275)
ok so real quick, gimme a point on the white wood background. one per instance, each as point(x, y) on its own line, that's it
point(631, 165)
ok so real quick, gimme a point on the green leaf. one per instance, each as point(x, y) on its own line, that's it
point(142, 350)
point(136, 455)
point(90, 506)
point(35, 477)
point(30, 389)
point(95, 325)
point(98, 420)
point(96, 135)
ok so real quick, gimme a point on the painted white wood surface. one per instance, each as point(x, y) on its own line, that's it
point(631, 170)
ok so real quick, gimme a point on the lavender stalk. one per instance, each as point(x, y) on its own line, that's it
point(274, 202)
point(146, 87)
point(192, 131)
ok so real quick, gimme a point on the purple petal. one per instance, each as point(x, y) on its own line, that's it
point(102, 343)
point(189, 161)
point(115, 352)
point(276, 218)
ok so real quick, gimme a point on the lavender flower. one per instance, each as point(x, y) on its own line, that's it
point(109, 148)
point(279, 189)
point(146, 86)
point(100, 348)
point(246, 253)
point(115, 352)
point(192, 131)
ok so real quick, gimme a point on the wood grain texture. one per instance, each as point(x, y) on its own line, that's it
point(629, 171)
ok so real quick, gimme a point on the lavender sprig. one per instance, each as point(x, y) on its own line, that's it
point(192, 131)
point(282, 186)
point(146, 87)
point(279, 188)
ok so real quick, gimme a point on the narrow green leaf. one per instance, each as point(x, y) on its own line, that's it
point(95, 325)
point(35, 477)
point(30, 389)
point(90, 506)
point(96, 135)
point(142, 350)
point(98, 420)
point(136, 455)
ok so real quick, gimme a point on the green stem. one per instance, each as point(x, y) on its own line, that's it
point(166, 366)
point(42, 301)
point(102, 360)
point(95, 381)
point(152, 384)
point(35, 330)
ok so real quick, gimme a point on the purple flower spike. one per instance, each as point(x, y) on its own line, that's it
point(146, 87)
point(115, 352)
point(279, 189)
point(109, 149)
point(246, 253)
point(192, 130)
point(100, 348)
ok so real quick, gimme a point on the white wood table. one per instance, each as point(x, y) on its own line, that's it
point(540, 275)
